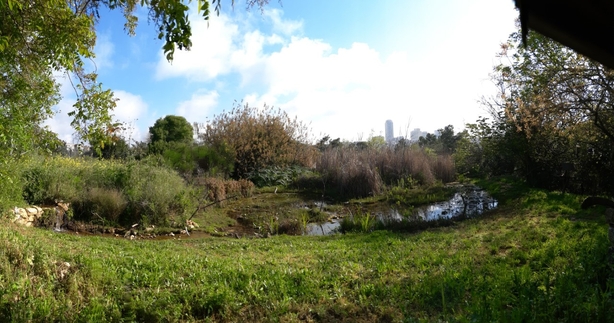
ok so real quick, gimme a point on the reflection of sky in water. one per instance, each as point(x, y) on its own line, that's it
point(316, 229)
point(478, 201)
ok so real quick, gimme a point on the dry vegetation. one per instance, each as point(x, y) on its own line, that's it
point(259, 138)
point(363, 172)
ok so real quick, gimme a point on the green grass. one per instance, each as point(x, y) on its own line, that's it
point(537, 258)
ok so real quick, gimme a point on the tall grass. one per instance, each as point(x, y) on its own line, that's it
point(363, 172)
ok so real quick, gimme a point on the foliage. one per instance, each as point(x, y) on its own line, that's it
point(120, 192)
point(326, 142)
point(553, 116)
point(259, 138)
point(273, 176)
point(491, 148)
point(407, 193)
point(443, 143)
point(116, 148)
point(41, 39)
point(170, 129)
point(11, 188)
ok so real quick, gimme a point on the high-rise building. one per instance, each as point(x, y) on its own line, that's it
point(389, 131)
point(416, 134)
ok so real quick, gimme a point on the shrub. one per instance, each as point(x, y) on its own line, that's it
point(105, 204)
point(11, 188)
point(273, 176)
point(125, 192)
point(218, 190)
point(259, 138)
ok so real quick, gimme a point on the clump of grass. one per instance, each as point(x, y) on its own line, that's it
point(350, 172)
point(358, 222)
point(101, 204)
point(291, 226)
point(361, 172)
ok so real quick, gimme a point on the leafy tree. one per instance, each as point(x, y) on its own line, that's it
point(171, 129)
point(558, 106)
point(117, 148)
point(445, 143)
point(41, 37)
point(326, 143)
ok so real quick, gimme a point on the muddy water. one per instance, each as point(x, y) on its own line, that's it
point(468, 202)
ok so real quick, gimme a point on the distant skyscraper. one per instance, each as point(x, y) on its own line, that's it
point(416, 134)
point(389, 131)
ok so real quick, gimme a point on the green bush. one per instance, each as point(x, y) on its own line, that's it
point(104, 204)
point(11, 188)
point(120, 192)
point(273, 176)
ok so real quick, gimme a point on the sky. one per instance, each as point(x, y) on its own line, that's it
point(342, 67)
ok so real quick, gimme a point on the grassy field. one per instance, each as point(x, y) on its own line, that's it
point(535, 258)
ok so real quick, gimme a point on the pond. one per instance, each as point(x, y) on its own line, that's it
point(469, 201)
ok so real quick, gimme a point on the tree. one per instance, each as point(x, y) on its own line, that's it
point(41, 37)
point(169, 131)
point(444, 143)
point(561, 103)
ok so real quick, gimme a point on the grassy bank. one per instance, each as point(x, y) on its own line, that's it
point(537, 258)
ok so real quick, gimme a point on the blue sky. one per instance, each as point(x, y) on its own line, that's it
point(343, 67)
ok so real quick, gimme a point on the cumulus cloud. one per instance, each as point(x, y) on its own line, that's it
point(283, 26)
point(130, 108)
point(209, 55)
point(345, 92)
point(198, 107)
point(104, 52)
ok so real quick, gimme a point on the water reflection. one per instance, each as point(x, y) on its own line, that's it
point(468, 202)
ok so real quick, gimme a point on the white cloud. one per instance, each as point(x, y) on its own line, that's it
point(285, 27)
point(209, 55)
point(343, 92)
point(104, 52)
point(130, 108)
point(198, 107)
